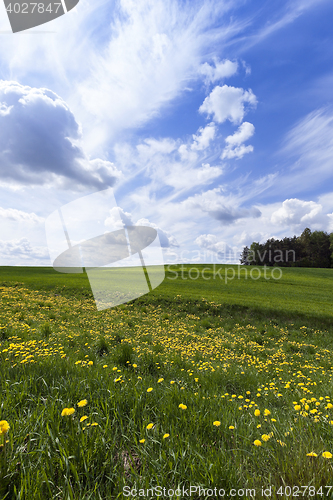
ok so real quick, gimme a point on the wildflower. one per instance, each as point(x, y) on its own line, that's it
point(166, 436)
point(94, 424)
point(256, 413)
point(258, 426)
point(149, 389)
point(105, 366)
point(134, 365)
point(160, 380)
point(82, 403)
point(217, 423)
point(83, 418)
point(231, 427)
point(4, 426)
point(67, 411)
point(265, 437)
point(327, 454)
point(172, 381)
point(183, 407)
point(149, 426)
point(266, 413)
point(257, 442)
point(90, 363)
point(297, 407)
point(114, 368)
point(312, 454)
point(142, 441)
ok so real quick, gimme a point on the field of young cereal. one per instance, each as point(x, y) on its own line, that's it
point(200, 383)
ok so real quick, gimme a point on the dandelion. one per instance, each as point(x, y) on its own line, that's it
point(183, 407)
point(114, 368)
point(149, 426)
point(312, 454)
point(105, 366)
point(160, 380)
point(172, 382)
point(265, 437)
point(256, 413)
point(90, 363)
point(217, 423)
point(297, 407)
point(82, 419)
point(66, 412)
point(149, 389)
point(134, 365)
point(266, 413)
point(81, 403)
point(327, 454)
point(94, 424)
point(4, 426)
point(257, 442)
point(231, 427)
point(142, 441)
point(166, 436)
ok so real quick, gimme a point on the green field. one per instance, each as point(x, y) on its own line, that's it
point(211, 383)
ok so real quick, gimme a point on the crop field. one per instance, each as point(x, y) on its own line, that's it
point(206, 383)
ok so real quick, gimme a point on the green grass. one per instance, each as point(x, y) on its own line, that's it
point(268, 343)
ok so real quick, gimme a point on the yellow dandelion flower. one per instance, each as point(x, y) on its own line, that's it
point(297, 407)
point(183, 407)
point(256, 413)
point(105, 366)
point(265, 437)
point(83, 418)
point(217, 423)
point(172, 381)
point(267, 412)
point(149, 426)
point(166, 436)
point(134, 365)
point(231, 427)
point(90, 363)
point(312, 454)
point(160, 380)
point(149, 389)
point(94, 424)
point(66, 412)
point(327, 454)
point(4, 426)
point(142, 441)
point(257, 442)
point(81, 403)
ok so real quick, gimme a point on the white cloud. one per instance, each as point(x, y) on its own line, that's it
point(219, 207)
point(40, 142)
point(295, 212)
point(235, 147)
point(204, 136)
point(244, 132)
point(211, 243)
point(166, 239)
point(21, 251)
point(227, 103)
point(220, 70)
point(19, 216)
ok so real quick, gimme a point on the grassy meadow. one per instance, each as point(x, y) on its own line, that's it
point(210, 382)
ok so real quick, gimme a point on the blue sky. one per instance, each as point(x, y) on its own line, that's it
point(211, 120)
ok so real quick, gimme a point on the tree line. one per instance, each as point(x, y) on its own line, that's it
point(310, 249)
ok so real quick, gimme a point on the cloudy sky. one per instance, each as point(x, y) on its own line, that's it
point(212, 121)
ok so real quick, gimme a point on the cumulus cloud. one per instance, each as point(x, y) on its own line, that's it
point(166, 239)
point(218, 71)
point(18, 216)
point(21, 250)
point(118, 218)
point(40, 141)
point(219, 207)
point(297, 212)
point(228, 103)
point(204, 136)
point(212, 244)
point(235, 147)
